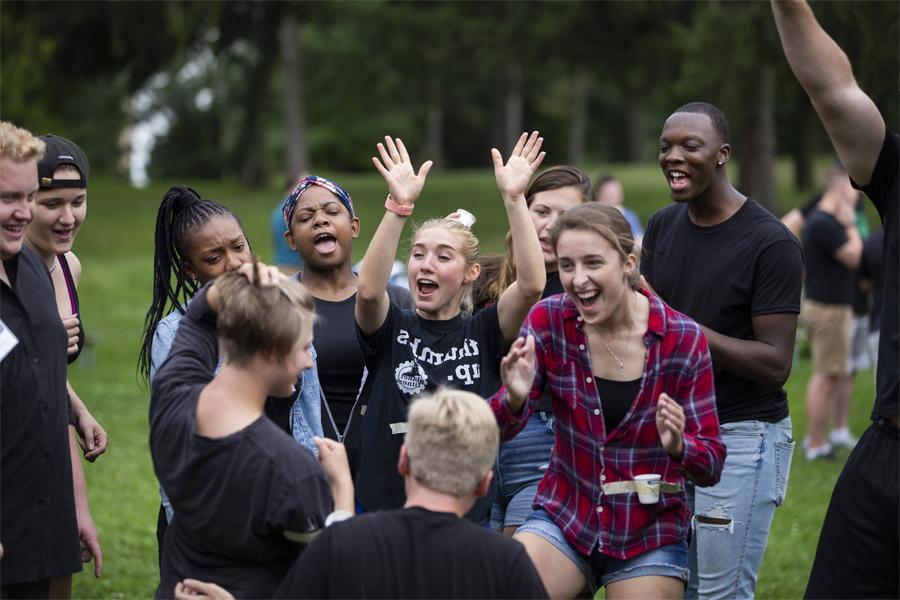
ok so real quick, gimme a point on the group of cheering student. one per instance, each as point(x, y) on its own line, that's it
point(328, 434)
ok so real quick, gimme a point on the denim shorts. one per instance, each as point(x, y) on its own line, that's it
point(522, 462)
point(670, 560)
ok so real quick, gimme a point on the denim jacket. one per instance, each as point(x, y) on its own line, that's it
point(306, 412)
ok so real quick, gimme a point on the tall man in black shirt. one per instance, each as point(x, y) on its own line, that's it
point(832, 247)
point(725, 261)
point(859, 547)
point(43, 497)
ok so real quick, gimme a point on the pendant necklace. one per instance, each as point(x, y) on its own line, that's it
point(615, 356)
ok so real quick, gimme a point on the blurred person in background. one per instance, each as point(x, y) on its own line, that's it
point(831, 248)
point(610, 191)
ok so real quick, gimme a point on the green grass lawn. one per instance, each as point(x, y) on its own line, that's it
point(116, 250)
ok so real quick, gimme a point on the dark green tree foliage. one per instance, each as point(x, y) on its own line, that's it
point(69, 67)
point(451, 78)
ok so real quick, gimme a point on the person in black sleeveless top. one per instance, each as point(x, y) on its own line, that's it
point(60, 208)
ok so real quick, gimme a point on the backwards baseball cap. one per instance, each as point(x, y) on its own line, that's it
point(304, 184)
point(60, 151)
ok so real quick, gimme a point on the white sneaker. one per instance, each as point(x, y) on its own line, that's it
point(841, 438)
point(824, 451)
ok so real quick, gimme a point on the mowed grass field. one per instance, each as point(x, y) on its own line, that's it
point(116, 249)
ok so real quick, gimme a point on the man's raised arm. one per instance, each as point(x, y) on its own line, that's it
point(852, 120)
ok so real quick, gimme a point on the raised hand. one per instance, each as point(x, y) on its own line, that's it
point(404, 184)
point(71, 324)
point(517, 371)
point(526, 157)
point(670, 424)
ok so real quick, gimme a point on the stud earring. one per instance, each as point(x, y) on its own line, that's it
point(720, 163)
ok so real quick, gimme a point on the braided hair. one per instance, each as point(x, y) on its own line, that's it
point(181, 212)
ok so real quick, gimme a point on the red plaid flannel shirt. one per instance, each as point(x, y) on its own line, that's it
point(585, 456)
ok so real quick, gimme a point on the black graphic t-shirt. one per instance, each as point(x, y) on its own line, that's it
point(407, 356)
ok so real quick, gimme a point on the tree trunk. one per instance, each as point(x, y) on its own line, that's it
point(434, 123)
point(578, 122)
point(635, 127)
point(295, 149)
point(513, 107)
point(256, 106)
point(803, 167)
point(757, 142)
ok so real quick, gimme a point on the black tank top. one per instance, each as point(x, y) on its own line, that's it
point(616, 398)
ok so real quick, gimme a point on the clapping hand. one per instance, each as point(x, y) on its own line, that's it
point(517, 371)
point(526, 157)
point(670, 424)
point(404, 184)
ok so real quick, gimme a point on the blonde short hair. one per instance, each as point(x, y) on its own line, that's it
point(452, 440)
point(261, 320)
point(18, 144)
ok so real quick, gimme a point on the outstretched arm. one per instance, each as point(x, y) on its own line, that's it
point(405, 186)
point(853, 122)
point(531, 277)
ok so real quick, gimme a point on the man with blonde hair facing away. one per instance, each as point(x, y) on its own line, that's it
point(43, 497)
point(426, 549)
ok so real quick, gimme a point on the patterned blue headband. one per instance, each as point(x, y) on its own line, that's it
point(304, 185)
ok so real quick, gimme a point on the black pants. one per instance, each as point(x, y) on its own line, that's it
point(859, 547)
point(28, 589)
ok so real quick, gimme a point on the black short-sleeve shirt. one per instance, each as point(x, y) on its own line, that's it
point(884, 191)
point(412, 553)
point(38, 528)
point(828, 280)
point(406, 356)
point(722, 276)
point(244, 503)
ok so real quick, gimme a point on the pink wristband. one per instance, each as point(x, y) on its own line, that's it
point(404, 210)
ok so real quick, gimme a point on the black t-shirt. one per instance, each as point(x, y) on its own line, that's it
point(38, 529)
point(722, 276)
point(340, 361)
point(406, 356)
point(870, 270)
point(884, 191)
point(412, 553)
point(244, 503)
point(827, 279)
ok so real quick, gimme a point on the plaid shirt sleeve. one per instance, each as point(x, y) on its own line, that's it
point(704, 452)
point(512, 423)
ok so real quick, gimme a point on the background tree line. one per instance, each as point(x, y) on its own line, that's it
point(259, 90)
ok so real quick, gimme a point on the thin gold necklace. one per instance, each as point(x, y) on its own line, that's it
point(614, 355)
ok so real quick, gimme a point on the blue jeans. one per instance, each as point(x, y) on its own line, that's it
point(665, 561)
point(725, 556)
point(522, 462)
